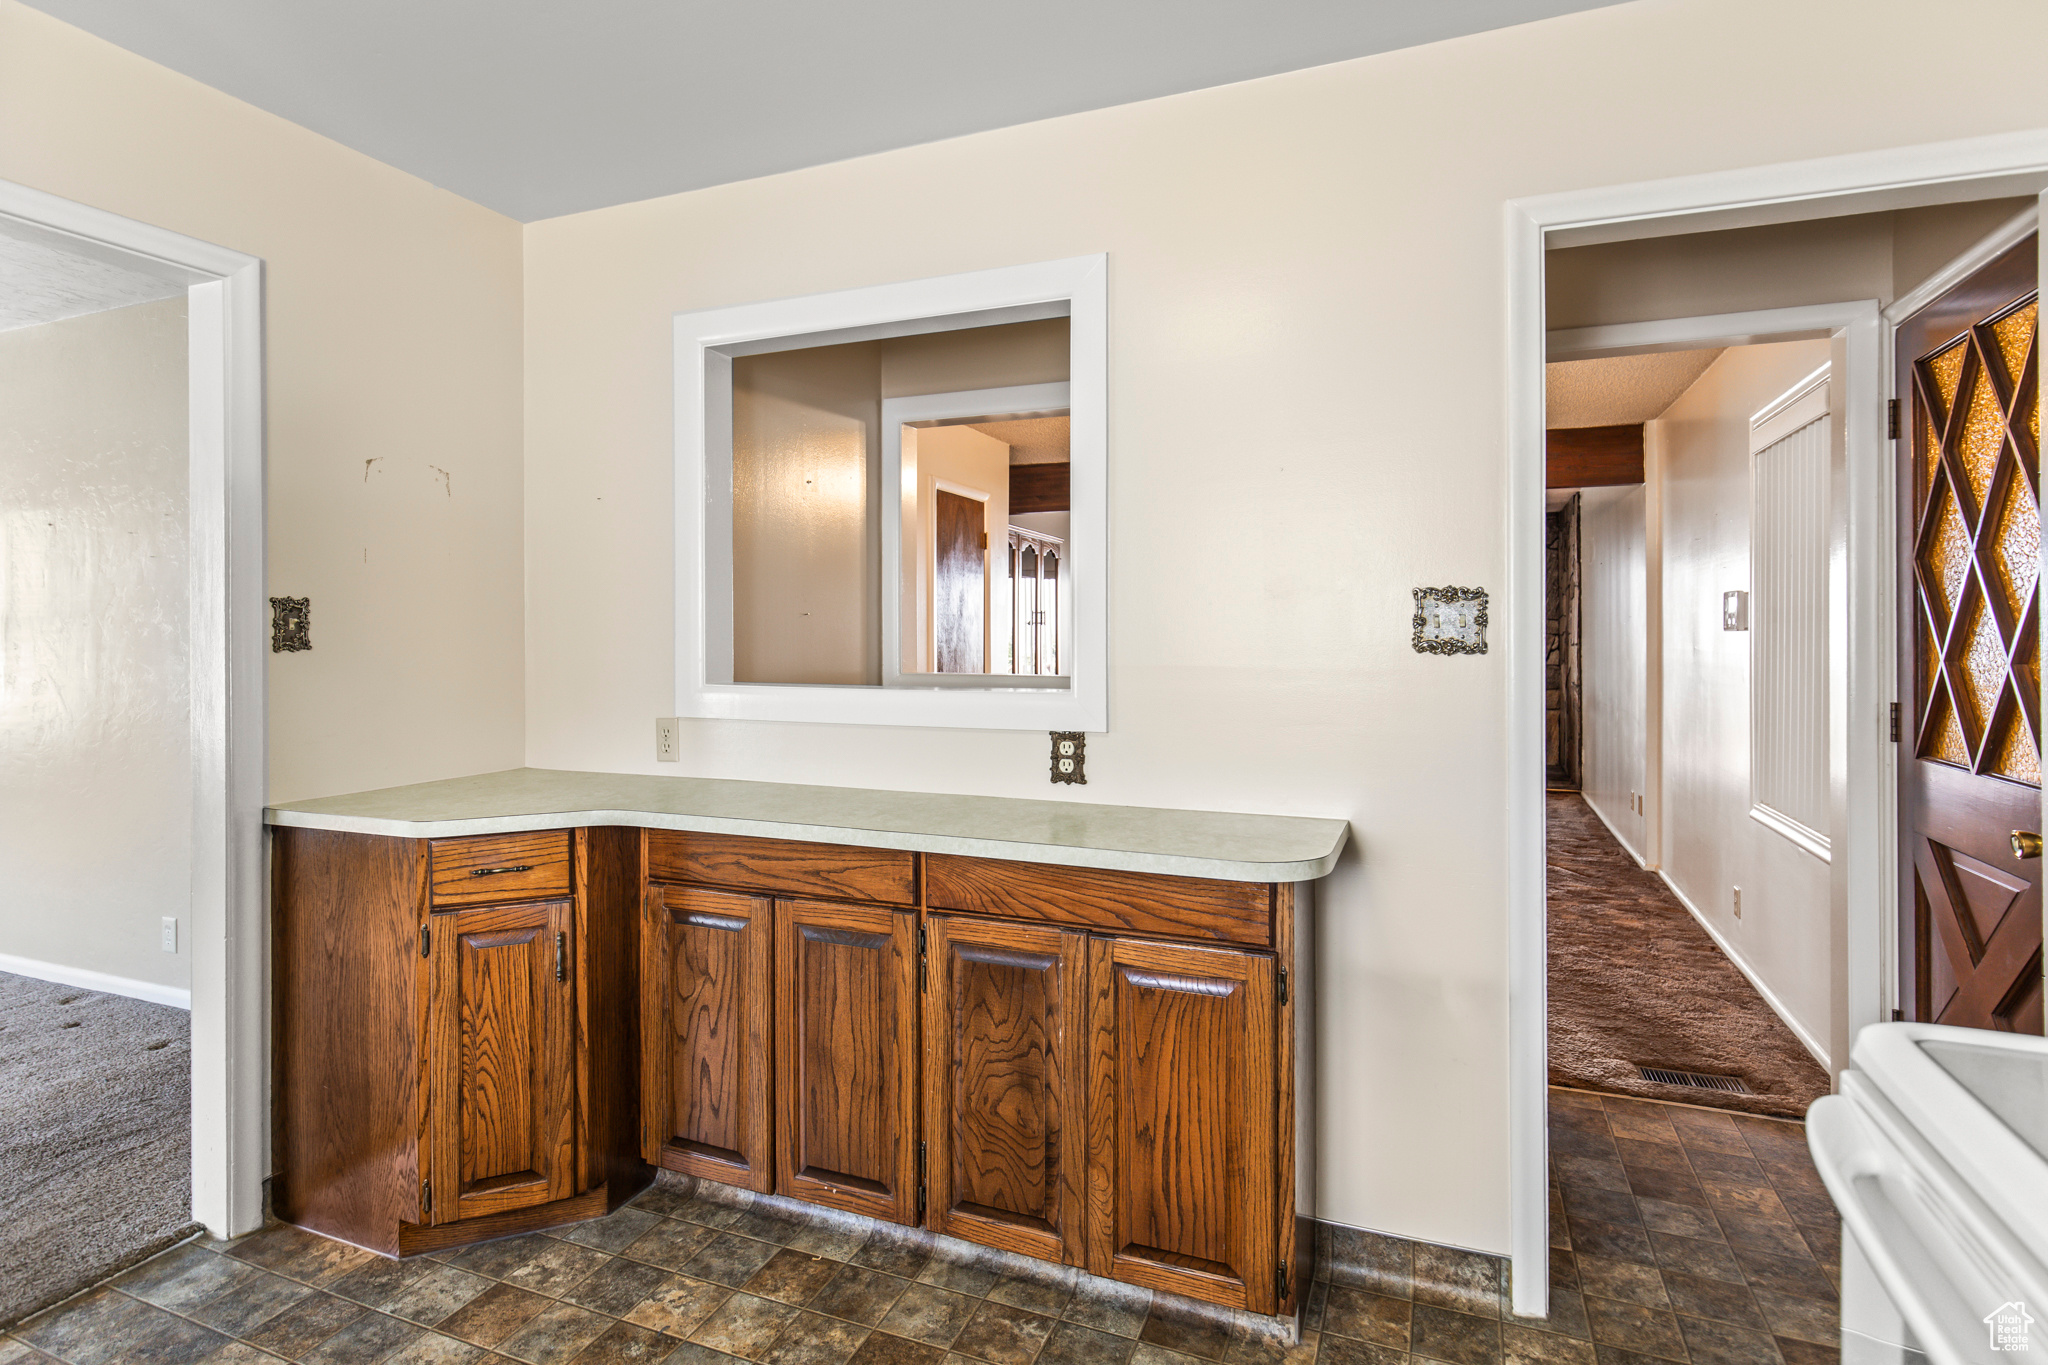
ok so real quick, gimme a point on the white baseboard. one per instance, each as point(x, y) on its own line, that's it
point(1806, 1040)
point(1619, 837)
point(96, 981)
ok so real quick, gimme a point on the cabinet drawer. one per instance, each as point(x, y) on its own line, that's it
point(1121, 902)
point(834, 871)
point(501, 867)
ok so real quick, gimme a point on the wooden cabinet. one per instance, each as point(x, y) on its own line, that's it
point(1181, 1151)
point(705, 1018)
point(501, 1105)
point(846, 1052)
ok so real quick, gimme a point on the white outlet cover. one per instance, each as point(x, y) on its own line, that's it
point(170, 933)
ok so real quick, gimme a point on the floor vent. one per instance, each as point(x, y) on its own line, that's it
point(1727, 1085)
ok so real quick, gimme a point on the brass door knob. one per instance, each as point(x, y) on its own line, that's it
point(2025, 844)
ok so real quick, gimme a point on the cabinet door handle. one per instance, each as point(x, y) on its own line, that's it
point(561, 957)
point(494, 871)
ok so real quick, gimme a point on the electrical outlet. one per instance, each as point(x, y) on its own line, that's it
point(1069, 755)
point(1738, 902)
point(170, 933)
point(668, 745)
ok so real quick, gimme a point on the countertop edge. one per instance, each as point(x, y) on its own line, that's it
point(1068, 855)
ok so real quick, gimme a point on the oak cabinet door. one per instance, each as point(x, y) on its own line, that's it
point(1005, 1085)
point(705, 1021)
point(501, 1090)
point(1181, 1170)
point(846, 1057)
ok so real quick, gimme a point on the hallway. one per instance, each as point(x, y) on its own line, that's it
point(1635, 981)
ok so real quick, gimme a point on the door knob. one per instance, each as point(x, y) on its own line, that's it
point(2025, 844)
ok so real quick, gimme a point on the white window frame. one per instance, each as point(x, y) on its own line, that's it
point(705, 343)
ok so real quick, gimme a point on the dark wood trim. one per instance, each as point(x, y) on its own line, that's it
point(1141, 903)
point(1593, 457)
point(1040, 488)
point(480, 869)
point(791, 867)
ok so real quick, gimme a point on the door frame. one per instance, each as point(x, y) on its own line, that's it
point(2002, 165)
point(225, 581)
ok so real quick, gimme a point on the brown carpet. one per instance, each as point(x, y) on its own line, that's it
point(1635, 980)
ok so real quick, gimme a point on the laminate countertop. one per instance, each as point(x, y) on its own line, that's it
point(1187, 843)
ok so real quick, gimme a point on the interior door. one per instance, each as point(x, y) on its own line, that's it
point(501, 1095)
point(705, 1020)
point(1181, 1170)
point(960, 583)
point(846, 1057)
point(1005, 1085)
point(1968, 387)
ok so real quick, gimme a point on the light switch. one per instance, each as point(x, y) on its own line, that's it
point(1735, 610)
point(170, 933)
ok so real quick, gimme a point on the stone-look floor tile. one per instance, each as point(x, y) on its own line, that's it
point(236, 1353)
point(744, 1326)
point(1706, 1134)
point(859, 1295)
point(1696, 1256)
point(665, 1198)
point(494, 1315)
point(1045, 1296)
point(1639, 1119)
point(1796, 1352)
point(1809, 1206)
point(690, 1353)
point(1616, 1243)
point(1567, 1316)
point(1638, 1155)
point(1671, 1186)
point(1824, 1240)
point(614, 1232)
point(436, 1295)
point(792, 1276)
point(1647, 1331)
point(729, 1259)
point(1467, 1281)
point(184, 1276)
point(1457, 1338)
point(1599, 1206)
point(763, 1223)
point(556, 1335)
point(1107, 1306)
point(883, 1349)
point(305, 1324)
point(1594, 1173)
point(836, 1241)
point(970, 1277)
point(1754, 1202)
point(378, 1282)
point(1145, 1353)
point(929, 1314)
point(617, 1288)
point(301, 1255)
point(1801, 1275)
point(1569, 1143)
point(371, 1337)
point(1718, 1343)
point(1345, 1351)
point(678, 1306)
point(1728, 1168)
point(1377, 1318)
point(669, 1244)
point(1358, 1259)
point(431, 1348)
point(1801, 1319)
point(895, 1253)
point(813, 1339)
point(1680, 1220)
point(1252, 1349)
point(1624, 1280)
point(557, 1268)
point(1699, 1296)
point(626, 1343)
point(1312, 1311)
point(1072, 1344)
point(99, 1321)
point(1188, 1332)
point(1003, 1335)
point(1521, 1345)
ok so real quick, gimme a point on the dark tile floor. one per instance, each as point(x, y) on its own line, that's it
point(1683, 1236)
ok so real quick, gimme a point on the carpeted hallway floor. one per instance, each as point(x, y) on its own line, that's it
point(1635, 980)
point(95, 1137)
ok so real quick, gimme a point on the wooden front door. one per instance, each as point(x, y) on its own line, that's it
point(1971, 549)
point(846, 1057)
point(501, 1090)
point(1181, 1169)
point(960, 583)
point(705, 1020)
point(1005, 1085)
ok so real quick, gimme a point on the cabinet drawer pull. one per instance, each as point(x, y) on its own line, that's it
point(561, 957)
point(494, 871)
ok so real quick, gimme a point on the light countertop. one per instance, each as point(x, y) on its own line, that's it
point(1188, 843)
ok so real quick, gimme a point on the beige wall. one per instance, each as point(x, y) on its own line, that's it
point(1614, 644)
point(95, 723)
point(976, 358)
point(1306, 358)
point(1710, 845)
point(393, 391)
point(1827, 260)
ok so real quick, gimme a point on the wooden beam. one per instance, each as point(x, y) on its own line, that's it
point(1593, 457)
point(1043, 487)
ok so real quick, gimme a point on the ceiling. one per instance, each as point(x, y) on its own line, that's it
point(43, 283)
point(1032, 440)
point(537, 108)
point(1618, 390)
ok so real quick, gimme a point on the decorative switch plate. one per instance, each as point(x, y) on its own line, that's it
point(1069, 754)
point(290, 624)
point(1450, 620)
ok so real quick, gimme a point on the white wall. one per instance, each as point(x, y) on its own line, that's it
point(1613, 654)
point(1710, 844)
point(95, 749)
